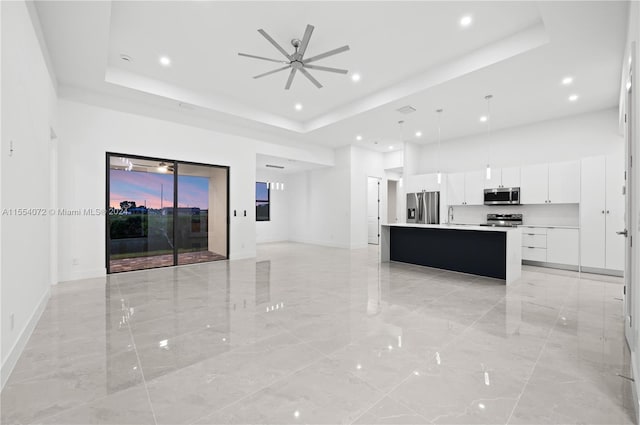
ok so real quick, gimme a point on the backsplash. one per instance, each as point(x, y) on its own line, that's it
point(550, 215)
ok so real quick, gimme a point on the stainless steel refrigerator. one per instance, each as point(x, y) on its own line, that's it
point(423, 207)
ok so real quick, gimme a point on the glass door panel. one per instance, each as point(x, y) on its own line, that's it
point(201, 226)
point(140, 219)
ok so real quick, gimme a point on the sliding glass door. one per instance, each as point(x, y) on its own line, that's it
point(164, 213)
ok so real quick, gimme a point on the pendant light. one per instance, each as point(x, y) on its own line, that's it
point(439, 111)
point(488, 98)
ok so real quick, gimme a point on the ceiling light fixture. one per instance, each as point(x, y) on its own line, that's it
point(567, 80)
point(488, 98)
point(298, 106)
point(439, 112)
point(483, 118)
point(418, 133)
point(165, 61)
point(358, 137)
point(355, 78)
point(573, 98)
point(390, 147)
point(465, 21)
point(163, 167)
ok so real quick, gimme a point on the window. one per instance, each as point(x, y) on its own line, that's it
point(262, 201)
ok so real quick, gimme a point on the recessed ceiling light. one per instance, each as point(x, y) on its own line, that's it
point(465, 21)
point(390, 147)
point(355, 77)
point(567, 80)
point(298, 106)
point(165, 61)
point(573, 98)
point(418, 133)
point(358, 137)
point(483, 118)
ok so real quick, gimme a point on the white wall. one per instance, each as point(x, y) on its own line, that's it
point(277, 228)
point(320, 203)
point(28, 114)
point(365, 163)
point(563, 139)
point(87, 132)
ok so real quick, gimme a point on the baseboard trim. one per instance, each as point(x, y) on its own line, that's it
point(550, 265)
point(84, 274)
point(608, 272)
point(634, 389)
point(12, 359)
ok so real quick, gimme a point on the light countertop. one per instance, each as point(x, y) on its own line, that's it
point(455, 227)
point(549, 226)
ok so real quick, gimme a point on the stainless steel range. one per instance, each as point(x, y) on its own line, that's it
point(503, 220)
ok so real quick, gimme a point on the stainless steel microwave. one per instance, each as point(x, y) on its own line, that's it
point(502, 196)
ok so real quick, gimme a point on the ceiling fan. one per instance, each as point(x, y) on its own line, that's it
point(296, 60)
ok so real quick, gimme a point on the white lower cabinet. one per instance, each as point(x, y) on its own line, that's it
point(563, 246)
point(551, 245)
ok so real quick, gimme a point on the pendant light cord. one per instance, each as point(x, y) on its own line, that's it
point(488, 97)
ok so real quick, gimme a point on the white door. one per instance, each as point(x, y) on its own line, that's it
point(474, 187)
point(455, 183)
point(534, 184)
point(373, 209)
point(614, 213)
point(392, 206)
point(592, 212)
point(564, 182)
point(630, 228)
point(511, 177)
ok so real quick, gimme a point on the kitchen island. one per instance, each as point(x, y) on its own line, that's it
point(481, 250)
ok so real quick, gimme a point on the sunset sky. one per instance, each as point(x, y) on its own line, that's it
point(145, 189)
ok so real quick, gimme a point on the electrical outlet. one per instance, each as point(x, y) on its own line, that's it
point(75, 262)
point(11, 320)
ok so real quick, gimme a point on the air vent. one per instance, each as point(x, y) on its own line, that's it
point(406, 109)
point(274, 166)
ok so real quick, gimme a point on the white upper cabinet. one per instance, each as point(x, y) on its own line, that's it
point(564, 182)
point(474, 187)
point(555, 183)
point(534, 184)
point(455, 184)
point(510, 177)
point(495, 180)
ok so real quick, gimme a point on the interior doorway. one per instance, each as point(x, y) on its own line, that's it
point(164, 213)
point(373, 210)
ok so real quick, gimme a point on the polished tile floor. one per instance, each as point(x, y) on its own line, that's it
point(308, 334)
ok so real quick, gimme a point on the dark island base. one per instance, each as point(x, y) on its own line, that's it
point(468, 251)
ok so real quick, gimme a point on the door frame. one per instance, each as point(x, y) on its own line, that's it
point(631, 320)
point(176, 163)
point(378, 181)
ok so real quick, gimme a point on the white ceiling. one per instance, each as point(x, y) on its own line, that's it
point(407, 53)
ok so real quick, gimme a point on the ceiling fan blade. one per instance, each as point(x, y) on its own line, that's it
point(310, 77)
point(260, 57)
point(325, 68)
point(276, 45)
point(272, 72)
point(290, 79)
point(305, 40)
point(326, 54)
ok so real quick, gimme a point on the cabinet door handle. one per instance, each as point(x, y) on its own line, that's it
point(602, 211)
point(531, 247)
point(607, 211)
